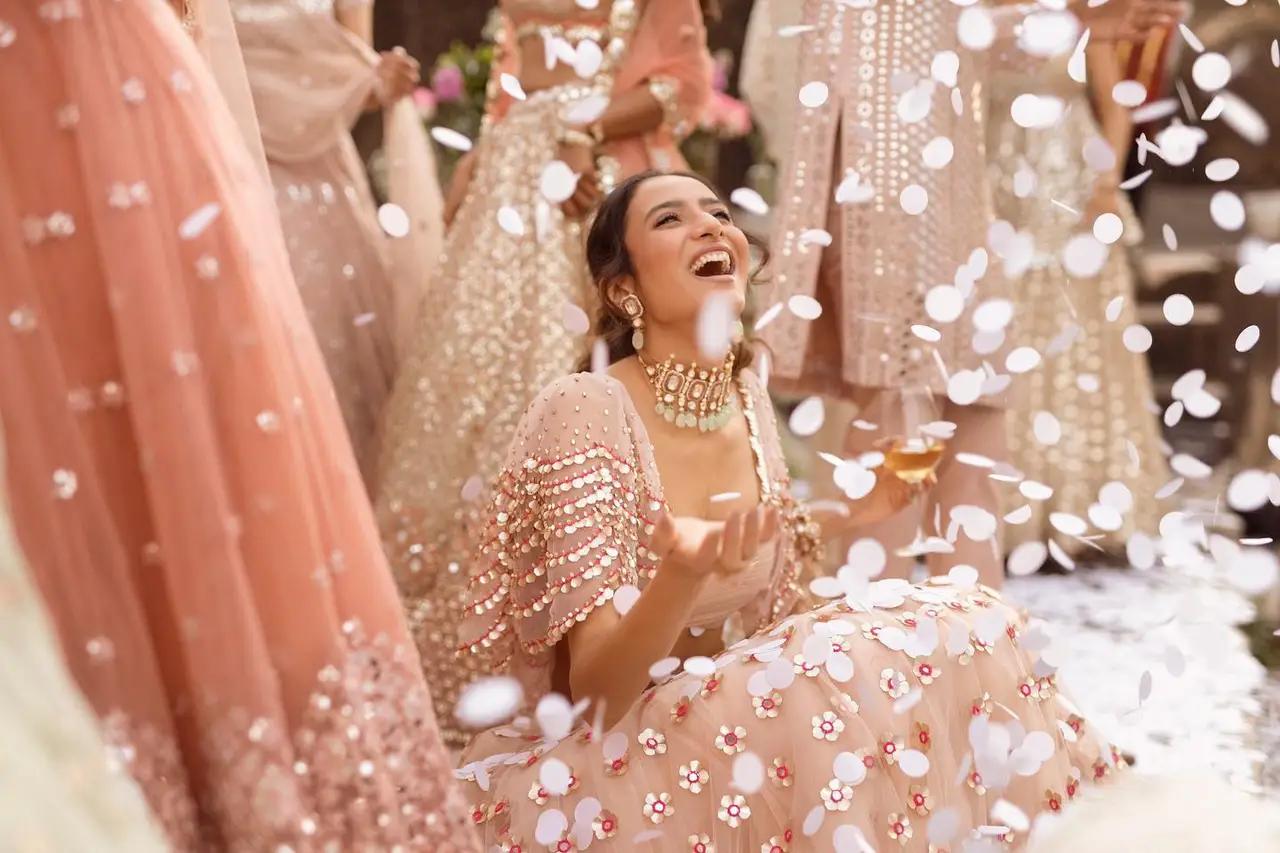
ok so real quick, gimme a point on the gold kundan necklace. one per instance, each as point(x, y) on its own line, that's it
point(692, 396)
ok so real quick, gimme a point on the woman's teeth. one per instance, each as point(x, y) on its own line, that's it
point(712, 263)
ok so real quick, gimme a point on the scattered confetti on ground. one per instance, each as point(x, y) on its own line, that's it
point(1113, 625)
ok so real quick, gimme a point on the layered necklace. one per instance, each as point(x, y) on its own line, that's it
point(690, 396)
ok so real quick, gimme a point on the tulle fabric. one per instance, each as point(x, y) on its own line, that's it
point(311, 79)
point(828, 702)
point(59, 791)
point(181, 480)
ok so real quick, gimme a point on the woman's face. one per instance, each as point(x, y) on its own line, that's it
point(684, 248)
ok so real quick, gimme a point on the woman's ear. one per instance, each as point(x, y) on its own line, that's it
point(619, 289)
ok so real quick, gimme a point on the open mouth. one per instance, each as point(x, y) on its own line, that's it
point(712, 264)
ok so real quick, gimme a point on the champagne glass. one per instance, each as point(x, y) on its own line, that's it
point(913, 455)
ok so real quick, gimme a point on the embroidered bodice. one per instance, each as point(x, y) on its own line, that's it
point(572, 517)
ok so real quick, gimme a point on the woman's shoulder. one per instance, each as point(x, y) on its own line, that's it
point(580, 407)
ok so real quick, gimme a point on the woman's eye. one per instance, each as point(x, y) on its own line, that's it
point(665, 218)
point(723, 216)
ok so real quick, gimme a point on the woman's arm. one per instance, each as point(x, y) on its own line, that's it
point(631, 113)
point(610, 654)
point(665, 77)
point(1102, 67)
point(356, 16)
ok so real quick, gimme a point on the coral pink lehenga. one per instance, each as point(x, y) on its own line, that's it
point(181, 480)
point(901, 714)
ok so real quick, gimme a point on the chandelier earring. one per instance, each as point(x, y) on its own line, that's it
point(634, 310)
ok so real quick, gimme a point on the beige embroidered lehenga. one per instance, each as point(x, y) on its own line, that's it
point(891, 721)
point(513, 277)
point(1098, 392)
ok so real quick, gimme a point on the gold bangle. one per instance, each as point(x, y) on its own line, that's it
point(572, 136)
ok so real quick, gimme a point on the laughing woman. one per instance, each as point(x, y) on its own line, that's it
point(621, 541)
point(513, 274)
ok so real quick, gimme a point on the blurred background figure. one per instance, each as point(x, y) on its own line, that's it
point(578, 98)
point(1083, 432)
point(312, 74)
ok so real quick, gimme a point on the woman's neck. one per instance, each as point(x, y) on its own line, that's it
point(677, 344)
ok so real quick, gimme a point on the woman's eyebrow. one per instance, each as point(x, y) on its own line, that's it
point(676, 205)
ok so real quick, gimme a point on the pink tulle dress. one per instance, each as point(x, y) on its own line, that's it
point(181, 480)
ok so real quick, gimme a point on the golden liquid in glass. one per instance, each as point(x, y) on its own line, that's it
point(912, 460)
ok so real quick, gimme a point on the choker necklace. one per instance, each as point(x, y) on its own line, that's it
point(692, 396)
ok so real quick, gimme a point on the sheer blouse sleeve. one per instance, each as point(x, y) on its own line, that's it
point(802, 552)
point(668, 53)
point(570, 515)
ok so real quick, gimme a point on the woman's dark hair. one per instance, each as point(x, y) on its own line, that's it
point(608, 260)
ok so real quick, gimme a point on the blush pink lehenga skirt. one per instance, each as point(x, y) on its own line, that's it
point(181, 481)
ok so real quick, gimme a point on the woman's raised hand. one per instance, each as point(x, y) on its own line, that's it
point(698, 548)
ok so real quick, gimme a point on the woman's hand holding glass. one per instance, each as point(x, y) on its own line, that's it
point(698, 549)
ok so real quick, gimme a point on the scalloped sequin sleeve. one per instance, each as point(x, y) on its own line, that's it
point(570, 515)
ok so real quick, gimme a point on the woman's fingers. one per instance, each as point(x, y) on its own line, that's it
point(751, 526)
point(712, 547)
point(664, 535)
point(731, 546)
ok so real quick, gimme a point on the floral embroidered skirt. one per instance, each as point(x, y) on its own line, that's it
point(915, 724)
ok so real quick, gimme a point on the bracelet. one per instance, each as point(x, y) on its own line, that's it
point(573, 136)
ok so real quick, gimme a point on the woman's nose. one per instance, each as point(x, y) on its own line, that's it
point(709, 225)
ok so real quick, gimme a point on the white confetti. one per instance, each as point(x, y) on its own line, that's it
point(748, 773)
point(472, 488)
point(393, 220)
point(489, 702)
point(1211, 71)
point(1108, 228)
point(1179, 310)
point(450, 138)
point(1227, 210)
point(937, 152)
point(557, 182)
point(807, 418)
point(814, 94)
point(749, 200)
point(195, 224)
point(944, 303)
point(624, 598)
point(914, 199)
point(804, 307)
point(575, 319)
point(555, 716)
point(509, 220)
point(1222, 169)
point(1129, 93)
point(511, 85)
point(1136, 338)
